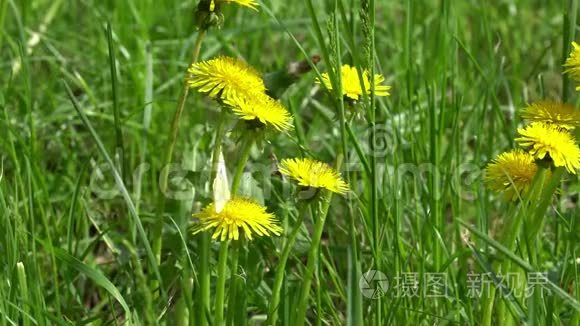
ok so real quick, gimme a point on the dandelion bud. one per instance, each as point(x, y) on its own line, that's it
point(208, 15)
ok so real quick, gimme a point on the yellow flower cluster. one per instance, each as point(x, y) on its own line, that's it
point(543, 140)
point(252, 218)
point(241, 92)
point(241, 87)
point(548, 137)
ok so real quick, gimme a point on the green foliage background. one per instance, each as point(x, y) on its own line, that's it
point(71, 252)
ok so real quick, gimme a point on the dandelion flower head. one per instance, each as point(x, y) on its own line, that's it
point(224, 77)
point(560, 114)
point(261, 107)
point(543, 139)
point(511, 173)
point(351, 85)
point(245, 3)
point(572, 64)
point(312, 173)
point(238, 215)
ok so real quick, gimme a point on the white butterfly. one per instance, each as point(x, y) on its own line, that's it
point(221, 186)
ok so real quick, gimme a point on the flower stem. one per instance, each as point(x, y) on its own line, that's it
point(204, 280)
point(157, 231)
point(281, 268)
point(204, 273)
point(235, 283)
point(222, 262)
point(23, 285)
point(312, 258)
point(536, 215)
point(246, 150)
point(221, 283)
point(569, 14)
point(549, 189)
point(540, 192)
point(173, 132)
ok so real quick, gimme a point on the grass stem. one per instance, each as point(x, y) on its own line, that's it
point(204, 240)
point(281, 268)
point(172, 139)
point(313, 258)
point(221, 283)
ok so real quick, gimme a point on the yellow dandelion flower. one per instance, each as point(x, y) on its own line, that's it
point(238, 213)
point(261, 107)
point(245, 3)
point(560, 114)
point(572, 64)
point(511, 173)
point(543, 139)
point(312, 173)
point(224, 77)
point(351, 85)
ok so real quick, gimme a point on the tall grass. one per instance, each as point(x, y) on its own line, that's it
point(105, 154)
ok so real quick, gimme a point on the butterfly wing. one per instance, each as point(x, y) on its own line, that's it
point(221, 186)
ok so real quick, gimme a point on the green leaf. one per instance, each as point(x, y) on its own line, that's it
point(93, 274)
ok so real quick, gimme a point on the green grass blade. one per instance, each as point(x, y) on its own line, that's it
point(119, 145)
point(524, 265)
point(125, 193)
point(94, 274)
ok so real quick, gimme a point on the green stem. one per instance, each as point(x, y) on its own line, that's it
point(181, 106)
point(234, 283)
point(374, 203)
point(158, 227)
point(222, 263)
point(354, 305)
point(508, 238)
point(548, 192)
point(312, 258)
point(246, 151)
point(204, 280)
point(318, 292)
point(568, 30)
point(281, 268)
point(533, 227)
point(221, 284)
point(173, 132)
point(23, 285)
point(204, 273)
point(540, 192)
point(241, 304)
